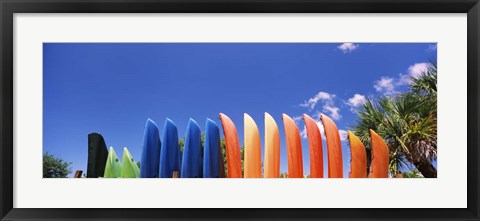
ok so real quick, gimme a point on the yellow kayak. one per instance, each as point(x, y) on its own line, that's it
point(358, 157)
point(379, 166)
point(334, 148)
point(272, 148)
point(252, 161)
point(294, 148)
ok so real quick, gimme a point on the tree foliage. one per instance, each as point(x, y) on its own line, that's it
point(412, 174)
point(407, 122)
point(54, 167)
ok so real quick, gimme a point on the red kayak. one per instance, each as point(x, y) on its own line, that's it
point(234, 164)
point(294, 148)
point(315, 147)
point(334, 148)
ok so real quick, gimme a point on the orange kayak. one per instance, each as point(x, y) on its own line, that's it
point(379, 166)
point(252, 160)
point(334, 148)
point(294, 148)
point(315, 146)
point(272, 148)
point(234, 165)
point(358, 157)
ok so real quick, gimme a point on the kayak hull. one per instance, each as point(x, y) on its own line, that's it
point(150, 160)
point(192, 154)
point(129, 166)
point(358, 157)
point(272, 148)
point(170, 153)
point(113, 168)
point(380, 157)
point(315, 146)
point(294, 148)
point(212, 155)
point(97, 155)
point(252, 160)
point(234, 165)
point(334, 148)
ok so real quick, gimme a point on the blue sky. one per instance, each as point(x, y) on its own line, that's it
point(112, 88)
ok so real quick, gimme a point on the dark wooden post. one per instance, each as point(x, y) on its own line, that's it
point(176, 174)
point(78, 174)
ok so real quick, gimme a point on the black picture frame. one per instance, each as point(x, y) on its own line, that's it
point(9, 7)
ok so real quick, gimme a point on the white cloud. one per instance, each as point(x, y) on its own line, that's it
point(317, 115)
point(403, 79)
point(320, 96)
point(303, 134)
point(297, 118)
point(356, 100)
point(322, 129)
point(348, 47)
point(334, 111)
point(343, 135)
point(417, 69)
point(414, 71)
point(385, 85)
point(328, 104)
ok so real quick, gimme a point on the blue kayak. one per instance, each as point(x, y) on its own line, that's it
point(170, 153)
point(212, 155)
point(150, 161)
point(192, 153)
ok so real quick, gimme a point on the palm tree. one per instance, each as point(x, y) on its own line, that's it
point(412, 174)
point(407, 122)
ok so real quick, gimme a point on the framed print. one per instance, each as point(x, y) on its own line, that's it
point(239, 110)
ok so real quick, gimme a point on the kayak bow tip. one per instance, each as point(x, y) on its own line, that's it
point(246, 116)
point(151, 122)
point(350, 133)
point(210, 122)
point(222, 115)
point(192, 121)
point(169, 122)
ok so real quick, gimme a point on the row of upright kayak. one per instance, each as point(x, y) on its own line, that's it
point(163, 157)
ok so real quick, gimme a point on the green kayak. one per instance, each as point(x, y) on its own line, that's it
point(113, 168)
point(129, 166)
